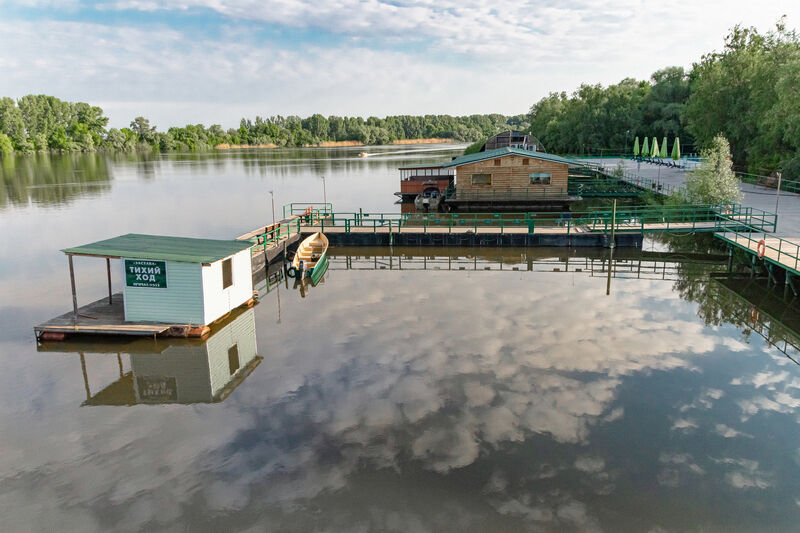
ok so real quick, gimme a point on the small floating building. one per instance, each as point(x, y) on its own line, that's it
point(173, 286)
point(182, 371)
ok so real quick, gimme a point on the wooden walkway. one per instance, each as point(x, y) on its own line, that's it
point(100, 318)
point(779, 251)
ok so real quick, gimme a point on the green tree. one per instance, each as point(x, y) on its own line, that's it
point(713, 181)
point(6, 147)
point(141, 126)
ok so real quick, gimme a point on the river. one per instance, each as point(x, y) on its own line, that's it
point(412, 390)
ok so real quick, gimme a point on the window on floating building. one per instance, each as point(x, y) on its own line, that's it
point(481, 179)
point(227, 273)
point(540, 179)
point(497, 162)
point(526, 161)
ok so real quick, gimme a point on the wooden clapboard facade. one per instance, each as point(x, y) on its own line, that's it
point(511, 171)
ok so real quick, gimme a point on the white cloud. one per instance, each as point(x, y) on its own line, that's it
point(383, 58)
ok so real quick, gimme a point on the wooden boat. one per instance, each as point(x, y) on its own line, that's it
point(311, 255)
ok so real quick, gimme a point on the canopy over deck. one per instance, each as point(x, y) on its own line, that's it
point(138, 246)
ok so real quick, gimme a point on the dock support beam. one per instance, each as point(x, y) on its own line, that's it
point(108, 271)
point(72, 284)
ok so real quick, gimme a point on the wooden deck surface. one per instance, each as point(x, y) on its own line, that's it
point(784, 252)
point(101, 318)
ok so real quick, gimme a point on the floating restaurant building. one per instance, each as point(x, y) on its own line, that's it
point(172, 285)
point(509, 170)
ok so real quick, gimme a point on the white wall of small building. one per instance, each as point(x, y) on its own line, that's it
point(218, 301)
point(181, 302)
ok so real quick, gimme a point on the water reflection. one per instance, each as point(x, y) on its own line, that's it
point(52, 179)
point(176, 371)
point(405, 399)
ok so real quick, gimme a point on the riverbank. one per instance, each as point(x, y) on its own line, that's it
point(335, 144)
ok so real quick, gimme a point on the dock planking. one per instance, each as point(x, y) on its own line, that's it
point(102, 318)
point(784, 252)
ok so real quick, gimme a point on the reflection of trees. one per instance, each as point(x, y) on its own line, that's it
point(52, 179)
point(748, 304)
point(694, 283)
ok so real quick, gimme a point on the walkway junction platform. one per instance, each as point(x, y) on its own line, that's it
point(626, 226)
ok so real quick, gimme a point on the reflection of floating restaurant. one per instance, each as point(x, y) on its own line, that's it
point(176, 371)
point(173, 286)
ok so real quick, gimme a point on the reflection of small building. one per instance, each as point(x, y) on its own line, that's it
point(422, 179)
point(175, 371)
point(169, 285)
point(511, 176)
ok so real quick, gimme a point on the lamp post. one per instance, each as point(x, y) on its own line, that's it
point(778, 193)
point(272, 197)
point(627, 132)
point(324, 196)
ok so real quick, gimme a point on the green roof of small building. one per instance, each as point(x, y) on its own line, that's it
point(500, 152)
point(138, 246)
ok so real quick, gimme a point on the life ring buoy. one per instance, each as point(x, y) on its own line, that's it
point(761, 248)
point(292, 272)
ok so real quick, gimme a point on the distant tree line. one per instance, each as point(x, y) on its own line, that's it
point(748, 92)
point(39, 122)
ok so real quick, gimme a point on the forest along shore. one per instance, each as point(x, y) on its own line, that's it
point(336, 144)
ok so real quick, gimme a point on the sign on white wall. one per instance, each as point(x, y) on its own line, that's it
point(146, 273)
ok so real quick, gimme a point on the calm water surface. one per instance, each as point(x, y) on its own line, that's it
point(413, 390)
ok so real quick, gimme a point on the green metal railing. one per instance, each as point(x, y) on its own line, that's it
point(297, 209)
point(777, 250)
point(676, 218)
point(647, 184)
point(537, 192)
point(660, 218)
point(769, 182)
point(601, 187)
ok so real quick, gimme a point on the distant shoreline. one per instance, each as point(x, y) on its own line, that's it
point(334, 144)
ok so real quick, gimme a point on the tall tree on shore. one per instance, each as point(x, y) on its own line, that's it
point(739, 92)
point(713, 181)
point(141, 127)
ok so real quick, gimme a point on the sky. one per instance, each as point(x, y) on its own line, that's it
point(215, 61)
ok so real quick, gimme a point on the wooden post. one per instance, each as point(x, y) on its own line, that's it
point(108, 271)
point(72, 284)
point(613, 222)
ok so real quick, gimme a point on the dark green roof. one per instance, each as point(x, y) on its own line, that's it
point(137, 246)
point(500, 152)
point(413, 167)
